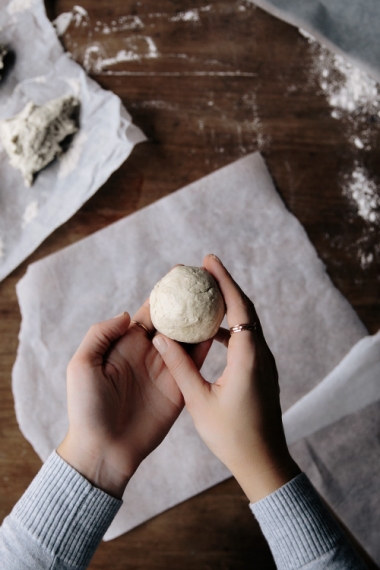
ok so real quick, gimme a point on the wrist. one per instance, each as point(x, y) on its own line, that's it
point(93, 464)
point(263, 474)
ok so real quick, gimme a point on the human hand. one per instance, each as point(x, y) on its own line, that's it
point(122, 400)
point(239, 416)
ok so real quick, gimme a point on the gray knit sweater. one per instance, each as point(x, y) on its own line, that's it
point(59, 521)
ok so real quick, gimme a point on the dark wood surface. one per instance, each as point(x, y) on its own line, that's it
point(229, 81)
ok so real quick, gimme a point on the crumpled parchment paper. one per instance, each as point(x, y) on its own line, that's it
point(235, 213)
point(106, 137)
point(352, 385)
point(348, 27)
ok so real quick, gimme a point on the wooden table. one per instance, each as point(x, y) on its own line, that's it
point(207, 83)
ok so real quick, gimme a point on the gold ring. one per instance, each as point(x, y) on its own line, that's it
point(143, 327)
point(245, 327)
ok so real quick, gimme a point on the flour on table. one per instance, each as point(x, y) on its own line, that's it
point(189, 16)
point(3, 53)
point(363, 192)
point(32, 138)
point(138, 47)
point(352, 94)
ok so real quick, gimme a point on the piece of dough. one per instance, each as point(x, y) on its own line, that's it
point(32, 138)
point(187, 305)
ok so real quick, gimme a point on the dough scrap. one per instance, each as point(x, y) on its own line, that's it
point(187, 305)
point(32, 138)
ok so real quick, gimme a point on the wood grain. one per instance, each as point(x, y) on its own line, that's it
point(208, 83)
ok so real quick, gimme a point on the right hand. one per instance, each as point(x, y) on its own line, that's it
point(239, 416)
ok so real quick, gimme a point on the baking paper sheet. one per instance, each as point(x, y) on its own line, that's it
point(341, 456)
point(348, 27)
point(351, 386)
point(106, 137)
point(343, 462)
point(235, 213)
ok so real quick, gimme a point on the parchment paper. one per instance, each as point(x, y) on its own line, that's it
point(343, 462)
point(348, 27)
point(106, 137)
point(351, 386)
point(235, 213)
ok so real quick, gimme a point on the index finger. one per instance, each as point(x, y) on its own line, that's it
point(240, 309)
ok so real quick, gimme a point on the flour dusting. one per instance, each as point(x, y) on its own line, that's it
point(138, 48)
point(127, 23)
point(154, 104)
point(362, 191)
point(80, 16)
point(2, 248)
point(189, 16)
point(352, 94)
point(366, 259)
point(30, 213)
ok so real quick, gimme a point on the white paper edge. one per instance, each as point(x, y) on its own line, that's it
point(351, 386)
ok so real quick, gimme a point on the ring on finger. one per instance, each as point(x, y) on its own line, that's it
point(244, 327)
point(150, 333)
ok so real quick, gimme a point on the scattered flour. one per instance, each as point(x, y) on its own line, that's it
point(189, 16)
point(362, 191)
point(2, 248)
point(358, 143)
point(351, 93)
point(154, 104)
point(127, 23)
point(255, 124)
point(30, 213)
point(80, 16)
point(138, 48)
point(366, 259)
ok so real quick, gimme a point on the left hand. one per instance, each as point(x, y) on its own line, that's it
point(122, 400)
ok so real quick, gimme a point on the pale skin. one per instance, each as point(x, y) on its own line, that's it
point(125, 391)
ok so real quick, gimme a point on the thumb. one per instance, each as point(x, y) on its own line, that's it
point(181, 367)
point(100, 337)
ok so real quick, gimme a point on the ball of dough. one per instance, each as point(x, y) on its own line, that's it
point(187, 305)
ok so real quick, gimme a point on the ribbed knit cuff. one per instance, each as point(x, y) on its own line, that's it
point(65, 513)
point(296, 524)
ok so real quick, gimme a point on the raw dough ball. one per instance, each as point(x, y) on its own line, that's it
point(32, 138)
point(187, 305)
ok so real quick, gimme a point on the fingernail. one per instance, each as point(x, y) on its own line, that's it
point(160, 344)
point(120, 315)
point(215, 257)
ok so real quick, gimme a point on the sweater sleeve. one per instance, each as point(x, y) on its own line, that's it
point(58, 522)
point(301, 532)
